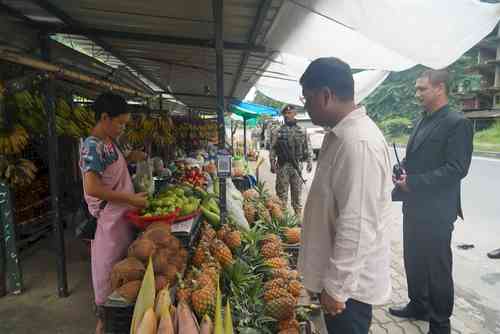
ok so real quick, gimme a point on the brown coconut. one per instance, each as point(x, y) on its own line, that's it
point(130, 290)
point(142, 249)
point(161, 260)
point(160, 237)
point(174, 244)
point(128, 270)
point(160, 282)
point(171, 273)
point(159, 225)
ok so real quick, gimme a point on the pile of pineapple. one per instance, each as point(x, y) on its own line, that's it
point(213, 253)
point(267, 210)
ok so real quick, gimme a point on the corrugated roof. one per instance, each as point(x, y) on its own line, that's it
point(169, 44)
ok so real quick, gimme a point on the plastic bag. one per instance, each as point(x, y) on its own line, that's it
point(143, 178)
point(234, 202)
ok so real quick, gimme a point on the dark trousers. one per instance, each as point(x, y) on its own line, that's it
point(428, 264)
point(356, 319)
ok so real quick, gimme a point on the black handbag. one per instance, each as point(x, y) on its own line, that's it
point(87, 226)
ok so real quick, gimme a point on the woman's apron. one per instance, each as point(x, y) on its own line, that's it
point(113, 234)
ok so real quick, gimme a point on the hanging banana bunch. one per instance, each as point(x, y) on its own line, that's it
point(135, 132)
point(13, 140)
point(18, 172)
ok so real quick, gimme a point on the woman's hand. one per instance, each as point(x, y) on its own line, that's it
point(139, 200)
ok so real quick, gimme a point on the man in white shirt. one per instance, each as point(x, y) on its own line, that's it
point(345, 252)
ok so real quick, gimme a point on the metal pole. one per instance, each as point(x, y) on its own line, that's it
point(245, 138)
point(48, 89)
point(218, 9)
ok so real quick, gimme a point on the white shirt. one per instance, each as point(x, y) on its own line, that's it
point(345, 240)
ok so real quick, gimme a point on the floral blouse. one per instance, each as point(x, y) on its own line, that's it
point(96, 156)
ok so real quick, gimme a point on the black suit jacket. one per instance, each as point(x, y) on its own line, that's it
point(438, 156)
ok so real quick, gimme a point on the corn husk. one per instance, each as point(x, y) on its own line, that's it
point(207, 326)
point(163, 303)
point(218, 326)
point(148, 323)
point(228, 320)
point(186, 321)
point(166, 324)
point(145, 299)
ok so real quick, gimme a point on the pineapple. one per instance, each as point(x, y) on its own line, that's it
point(282, 273)
point(183, 292)
point(204, 279)
point(281, 308)
point(295, 288)
point(212, 271)
point(271, 250)
point(277, 263)
point(208, 233)
point(200, 254)
point(233, 239)
point(250, 194)
point(250, 212)
point(271, 238)
point(274, 284)
point(262, 191)
point(272, 294)
point(221, 233)
point(203, 301)
point(289, 331)
point(276, 212)
point(221, 252)
point(287, 324)
point(294, 274)
point(263, 213)
point(292, 235)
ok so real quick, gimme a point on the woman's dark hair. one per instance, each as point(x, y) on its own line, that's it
point(112, 104)
point(332, 73)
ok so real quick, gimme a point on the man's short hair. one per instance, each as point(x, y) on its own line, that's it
point(330, 72)
point(110, 103)
point(437, 77)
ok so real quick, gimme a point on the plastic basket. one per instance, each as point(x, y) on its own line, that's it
point(187, 217)
point(142, 222)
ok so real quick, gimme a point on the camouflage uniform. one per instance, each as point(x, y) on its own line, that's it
point(286, 176)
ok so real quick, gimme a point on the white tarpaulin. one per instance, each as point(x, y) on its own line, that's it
point(286, 88)
point(384, 34)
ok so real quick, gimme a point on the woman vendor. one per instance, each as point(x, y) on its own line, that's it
point(109, 193)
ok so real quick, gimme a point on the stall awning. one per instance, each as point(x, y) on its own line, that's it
point(251, 110)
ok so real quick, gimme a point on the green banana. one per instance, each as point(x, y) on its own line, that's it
point(210, 216)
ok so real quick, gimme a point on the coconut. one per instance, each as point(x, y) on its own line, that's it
point(161, 260)
point(130, 269)
point(159, 225)
point(130, 290)
point(142, 249)
point(159, 236)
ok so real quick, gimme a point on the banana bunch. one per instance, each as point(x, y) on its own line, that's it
point(85, 119)
point(14, 140)
point(19, 172)
point(163, 133)
point(135, 133)
point(30, 112)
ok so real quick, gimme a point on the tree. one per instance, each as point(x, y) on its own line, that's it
point(396, 96)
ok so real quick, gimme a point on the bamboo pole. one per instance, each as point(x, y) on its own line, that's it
point(69, 74)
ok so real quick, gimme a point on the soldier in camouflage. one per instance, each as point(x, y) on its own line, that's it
point(295, 139)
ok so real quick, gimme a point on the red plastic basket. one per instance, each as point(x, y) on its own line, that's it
point(142, 222)
point(187, 217)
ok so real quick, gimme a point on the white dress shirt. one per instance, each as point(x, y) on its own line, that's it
point(345, 240)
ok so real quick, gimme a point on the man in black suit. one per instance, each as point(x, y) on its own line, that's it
point(438, 157)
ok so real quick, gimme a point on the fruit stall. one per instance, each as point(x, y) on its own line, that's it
point(187, 272)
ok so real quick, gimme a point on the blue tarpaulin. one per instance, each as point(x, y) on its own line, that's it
point(251, 110)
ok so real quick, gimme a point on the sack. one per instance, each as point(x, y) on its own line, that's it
point(87, 224)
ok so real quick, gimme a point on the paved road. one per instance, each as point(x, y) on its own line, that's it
point(477, 278)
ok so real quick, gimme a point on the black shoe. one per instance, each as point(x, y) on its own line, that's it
point(494, 254)
point(408, 313)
